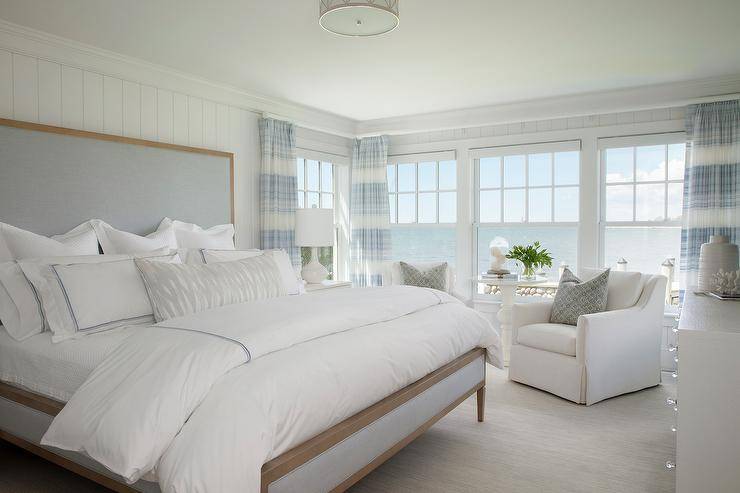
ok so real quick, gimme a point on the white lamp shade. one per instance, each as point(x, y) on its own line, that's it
point(314, 227)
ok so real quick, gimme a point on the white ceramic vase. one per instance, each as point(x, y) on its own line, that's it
point(718, 254)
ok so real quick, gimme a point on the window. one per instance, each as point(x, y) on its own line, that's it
point(422, 197)
point(526, 194)
point(642, 200)
point(315, 185)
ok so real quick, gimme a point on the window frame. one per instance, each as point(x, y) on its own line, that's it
point(634, 141)
point(304, 188)
point(305, 156)
point(514, 150)
point(416, 159)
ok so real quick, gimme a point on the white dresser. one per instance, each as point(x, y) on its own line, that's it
point(708, 421)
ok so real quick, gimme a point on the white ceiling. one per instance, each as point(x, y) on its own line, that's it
point(445, 54)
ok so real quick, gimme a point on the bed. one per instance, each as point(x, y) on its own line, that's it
point(305, 393)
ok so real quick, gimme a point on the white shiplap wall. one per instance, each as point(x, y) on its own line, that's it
point(42, 91)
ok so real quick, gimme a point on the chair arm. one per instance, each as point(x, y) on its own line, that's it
point(620, 350)
point(614, 330)
point(529, 313)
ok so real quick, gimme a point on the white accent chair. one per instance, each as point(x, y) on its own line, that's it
point(605, 355)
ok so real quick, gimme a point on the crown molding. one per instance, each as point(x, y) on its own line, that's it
point(616, 101)
point(23, 40)
point(31, 42)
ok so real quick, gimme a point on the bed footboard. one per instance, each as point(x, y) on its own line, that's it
point(332, 461)
point(344, 454)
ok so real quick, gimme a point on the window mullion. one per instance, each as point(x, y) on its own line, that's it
point(526, 188)
point(634, 183)
point(552, 184)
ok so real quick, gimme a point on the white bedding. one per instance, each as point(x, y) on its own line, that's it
point(202, 405)
point(54, 370)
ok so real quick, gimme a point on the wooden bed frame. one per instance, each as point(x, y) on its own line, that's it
point(291, 460)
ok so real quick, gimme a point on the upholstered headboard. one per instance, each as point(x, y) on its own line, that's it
point(52, 179)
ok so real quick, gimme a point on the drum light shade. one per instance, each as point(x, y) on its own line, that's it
point(358, 18)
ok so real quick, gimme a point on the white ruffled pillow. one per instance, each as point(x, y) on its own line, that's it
point(191, 235)
point(117, 242)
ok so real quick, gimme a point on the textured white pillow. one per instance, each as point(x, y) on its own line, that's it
point(625, 288)
point(20, 309)
point(84, 295)
point(16, 243)
point(290, 280)
point(117, 242)
point(176, 290)
point(191, 235)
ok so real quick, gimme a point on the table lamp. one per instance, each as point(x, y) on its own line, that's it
point(314, 228)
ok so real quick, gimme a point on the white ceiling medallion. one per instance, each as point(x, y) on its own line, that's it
point(358, 18)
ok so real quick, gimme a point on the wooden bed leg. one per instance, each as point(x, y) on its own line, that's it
point(481, 398)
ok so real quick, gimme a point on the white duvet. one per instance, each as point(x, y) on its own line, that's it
point(202, 402)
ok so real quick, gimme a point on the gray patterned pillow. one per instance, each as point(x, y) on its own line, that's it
point(180, 289)
point(434, 277)
point(575, 298)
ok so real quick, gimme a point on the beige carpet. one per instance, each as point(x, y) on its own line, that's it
point(531, 442)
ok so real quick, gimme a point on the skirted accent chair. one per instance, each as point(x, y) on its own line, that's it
point(606, 354)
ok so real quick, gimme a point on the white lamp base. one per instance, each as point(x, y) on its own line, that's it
point(314, 272)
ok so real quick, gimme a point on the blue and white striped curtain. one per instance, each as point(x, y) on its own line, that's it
point(370, 234)
point(278, 197)
point(711, 181)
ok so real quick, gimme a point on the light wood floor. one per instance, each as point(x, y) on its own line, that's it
point(531, 442)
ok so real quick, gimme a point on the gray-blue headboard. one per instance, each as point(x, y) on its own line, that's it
point(52, 179)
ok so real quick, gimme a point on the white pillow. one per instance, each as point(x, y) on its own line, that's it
point(20, 309)
point(624, 288)
point(116, 242)
point(84, 295)
point(16, 243)
point(179, 290)
point(191, 235)
point(288, 275)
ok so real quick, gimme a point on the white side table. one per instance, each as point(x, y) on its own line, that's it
point(508, 290)
point(310, 288)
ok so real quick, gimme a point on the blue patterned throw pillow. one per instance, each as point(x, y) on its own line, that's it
point(575, 298)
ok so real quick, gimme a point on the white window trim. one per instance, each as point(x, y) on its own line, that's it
point(525, 149)
point(633, 141)
point(416, 159)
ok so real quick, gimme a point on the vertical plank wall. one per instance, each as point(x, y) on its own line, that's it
point(42, 91)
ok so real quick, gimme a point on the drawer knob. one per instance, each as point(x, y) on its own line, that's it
point(672, 402)
point(669, 464)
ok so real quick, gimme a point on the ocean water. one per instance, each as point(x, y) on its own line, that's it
point(644, 248)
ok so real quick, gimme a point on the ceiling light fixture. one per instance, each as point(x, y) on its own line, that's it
point(358, 18)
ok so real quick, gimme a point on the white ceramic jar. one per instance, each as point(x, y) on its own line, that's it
point(718, 254)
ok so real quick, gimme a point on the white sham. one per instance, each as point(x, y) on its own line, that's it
point(20, 309)
point(84, 295)
point(17, 243)
point(191, 235)
point(117, 242)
